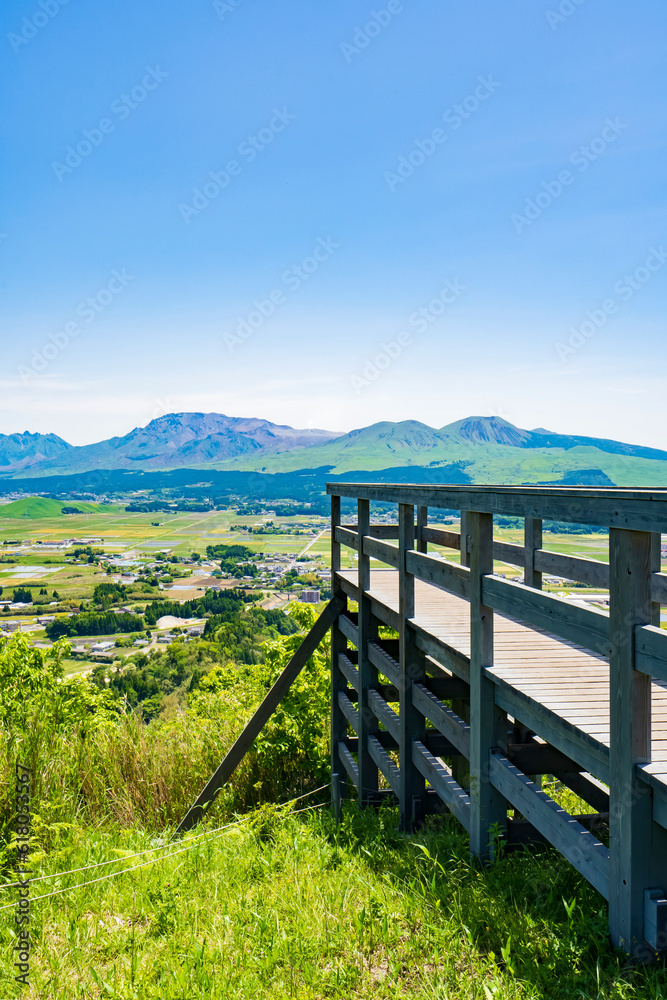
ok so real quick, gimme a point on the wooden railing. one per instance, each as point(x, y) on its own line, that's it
point(434, 723)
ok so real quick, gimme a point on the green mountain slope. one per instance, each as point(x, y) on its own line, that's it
point(36, 507)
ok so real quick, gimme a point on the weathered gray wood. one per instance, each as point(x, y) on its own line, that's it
point(589, 571)
point(254, 727)
point(540, 758)
point(639, 510)
point(440, 778)
point(348, 670)
point(335, 543)
point(509, 553)
point(453, 659)
point(384, 713)
point(344, 536)
point(412, 667)
point(349, 713)
point(570, 740)
point(659, 588)
point(651, 651)
point(384, 763)
point(386, 664)
point(444, 719)
point(656, 564)
point(532, 542)
point(588, 627)
point(339, 682)
point(449, 576)
point(349, 629)
point(349, 763)
point(630, 744)
point(488, 809)
point(581, 848)
point(376, 549)
point(368, 679)
point(422, 522)
point(587, 788)
point(441, 536)
point(466, 540)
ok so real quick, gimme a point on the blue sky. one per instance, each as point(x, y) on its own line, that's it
point(422, 209)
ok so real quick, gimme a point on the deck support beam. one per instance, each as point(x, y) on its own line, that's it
point(338, 679)
point(630, 813)
point(532, 543)
point(488, 808)
point(412, 787)
point(368, 675)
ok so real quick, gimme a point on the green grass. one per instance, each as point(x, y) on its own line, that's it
point(40, 507)
point(292, 906)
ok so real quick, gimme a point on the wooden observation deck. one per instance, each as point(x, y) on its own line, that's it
point(491, 684)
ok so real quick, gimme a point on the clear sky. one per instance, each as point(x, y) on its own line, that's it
point(332, 213)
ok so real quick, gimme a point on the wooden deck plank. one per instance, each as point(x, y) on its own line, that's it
point(564, 679)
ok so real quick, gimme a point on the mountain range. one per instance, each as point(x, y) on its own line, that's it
point(475, 449)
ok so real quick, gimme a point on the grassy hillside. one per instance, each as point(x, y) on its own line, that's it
point(484, 463)
point(36, 507)
point(291, 906)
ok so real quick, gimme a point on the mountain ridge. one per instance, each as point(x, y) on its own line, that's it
point(486, 446)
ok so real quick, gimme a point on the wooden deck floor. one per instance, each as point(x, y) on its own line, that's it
point(566, 680)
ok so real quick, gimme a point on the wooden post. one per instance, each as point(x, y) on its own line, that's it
point(338, 680)
point(487, 806)
point(422, 521)
point(532, 542)
point(630, 811)
point(412, 793)
point(368, 675)
point(656, 565)
point(465, 531)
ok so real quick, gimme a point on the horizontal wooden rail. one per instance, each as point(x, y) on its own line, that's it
point(448, 576)
point(651, 651)
point(345, 536)
point(587, 627)
point(581, 848)
point(384, 763)
point(349, 763)
point(636, 510)
point(348, 670)
point(386, 664)
point(508, 552)
point(590, 571)
point(349, 629)
point(384, 713)
point(382, 551)
point(444, 719)
point(349, 711)
point(440, 777)
point(440, 536)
